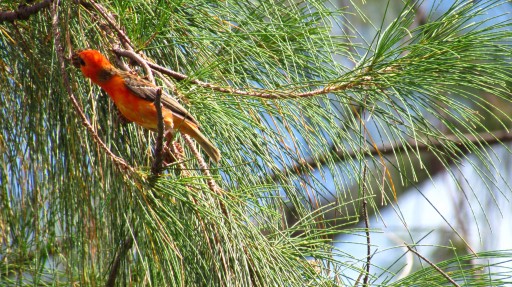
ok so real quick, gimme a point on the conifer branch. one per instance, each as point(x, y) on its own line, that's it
point(24, 11)
point(483, 139)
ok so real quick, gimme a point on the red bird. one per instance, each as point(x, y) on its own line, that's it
point(134, 98)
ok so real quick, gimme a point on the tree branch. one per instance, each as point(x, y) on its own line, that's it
point(23, 12)
point(114, 271)
point(157, 163)
point(143, 63)
point(391, 148)
point(262, 93)
point(357, 81)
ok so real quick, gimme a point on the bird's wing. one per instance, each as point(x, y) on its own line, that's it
point(148, 91)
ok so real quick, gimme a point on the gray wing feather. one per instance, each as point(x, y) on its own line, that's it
point(148, 91)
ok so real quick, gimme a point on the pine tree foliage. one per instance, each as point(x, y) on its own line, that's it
point(299, 112)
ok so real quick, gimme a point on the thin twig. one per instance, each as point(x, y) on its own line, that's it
point(24, 11)
point(433, 266)
point(392, 148)
point(367, 230)
point(78, 109)
point(266, 94)
point(170, 73)
point(212, 185)
point(157, 163)
point(114, 271)
point(172, 87)
point(143, 63)
point(202, 165)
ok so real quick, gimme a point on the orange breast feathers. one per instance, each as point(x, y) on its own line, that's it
point(134, 98)
point(135, 108)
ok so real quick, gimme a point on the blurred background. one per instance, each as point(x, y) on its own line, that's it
point(461, 210)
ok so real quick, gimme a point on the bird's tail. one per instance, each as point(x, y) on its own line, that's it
point(204, 142)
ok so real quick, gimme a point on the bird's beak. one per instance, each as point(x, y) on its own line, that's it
point(76, 60)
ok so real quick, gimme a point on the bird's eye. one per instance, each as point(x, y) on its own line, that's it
point(82, 62)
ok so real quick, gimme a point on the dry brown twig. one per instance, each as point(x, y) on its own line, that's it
point(127, 44)
point(202, 165)
point(365, 274)
point(143, 63)
point(445, 275)
point(157, 162)
point(367, 230)
point(262, 93)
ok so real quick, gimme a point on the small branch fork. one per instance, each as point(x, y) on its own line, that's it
point(143, 63)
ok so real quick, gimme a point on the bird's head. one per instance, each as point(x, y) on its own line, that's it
point(91, 62)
